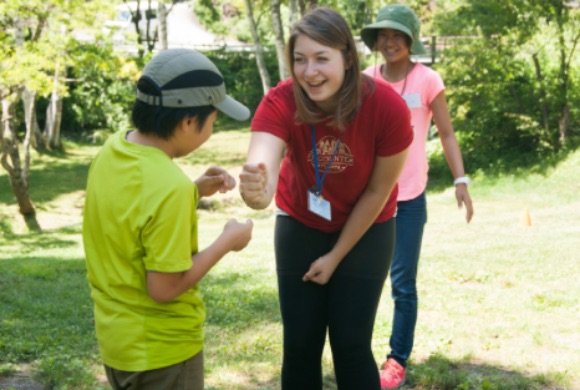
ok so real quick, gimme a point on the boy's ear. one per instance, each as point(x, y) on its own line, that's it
point(185, 123)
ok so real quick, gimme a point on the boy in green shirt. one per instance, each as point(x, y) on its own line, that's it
point(140, 227)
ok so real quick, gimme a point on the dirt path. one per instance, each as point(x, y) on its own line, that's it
point(21, 380)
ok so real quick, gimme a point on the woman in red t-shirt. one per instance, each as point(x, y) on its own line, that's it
point(330, 144)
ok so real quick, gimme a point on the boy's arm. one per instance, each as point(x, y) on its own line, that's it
point(213, 180)
point(163, 287)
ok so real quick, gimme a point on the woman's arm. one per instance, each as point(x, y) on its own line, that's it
point(382, 181)
point(452, 152)
point(259, 176)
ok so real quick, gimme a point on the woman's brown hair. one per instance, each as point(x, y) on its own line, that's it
point(328, 28)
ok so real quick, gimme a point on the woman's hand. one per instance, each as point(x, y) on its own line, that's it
point(463, 198)
point(321, 270)
point(259, 176)
point(253, 182)
point(213, 180)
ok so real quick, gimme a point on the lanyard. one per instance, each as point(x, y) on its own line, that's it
point(319, 180)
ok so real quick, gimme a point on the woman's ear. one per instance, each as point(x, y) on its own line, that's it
point(348, 61)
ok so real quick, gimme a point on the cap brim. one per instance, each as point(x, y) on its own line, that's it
point(369, 35)
point(233, 109)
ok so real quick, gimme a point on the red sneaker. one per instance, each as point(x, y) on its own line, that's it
point(392, 375)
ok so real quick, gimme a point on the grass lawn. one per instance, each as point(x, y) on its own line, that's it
point(499, 298)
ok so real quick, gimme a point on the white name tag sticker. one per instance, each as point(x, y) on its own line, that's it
point(413, 100)
point(318, 205)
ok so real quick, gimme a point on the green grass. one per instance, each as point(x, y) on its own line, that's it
point(499, 300)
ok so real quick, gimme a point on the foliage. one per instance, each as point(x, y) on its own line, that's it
point(103, 90)
point(356, 12)
point(48, 33)
point(509, 85)
point(241, 76)
point(210, 16)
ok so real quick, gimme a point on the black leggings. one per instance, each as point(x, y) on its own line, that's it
point(346, 305)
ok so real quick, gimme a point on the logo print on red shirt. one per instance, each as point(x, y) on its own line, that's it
point(325, 148)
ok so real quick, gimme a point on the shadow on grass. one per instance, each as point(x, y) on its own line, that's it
point(47, 319)
point(207, 157)
point(52, 179)
point(34, 241)
point(49, 179)
point(442, 373)
point(234, 301)
point(494, 167)
point(224, 123)
point(45, 308)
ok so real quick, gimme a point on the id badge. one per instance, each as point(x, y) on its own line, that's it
point(318, 205)
point(413, 100)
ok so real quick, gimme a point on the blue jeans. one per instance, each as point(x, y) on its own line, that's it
point(411, 219)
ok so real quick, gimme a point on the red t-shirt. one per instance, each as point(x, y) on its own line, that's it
point(381, 128)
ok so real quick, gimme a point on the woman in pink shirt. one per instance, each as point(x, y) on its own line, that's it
point(395, 35)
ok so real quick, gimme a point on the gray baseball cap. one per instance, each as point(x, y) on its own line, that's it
point(187, 78)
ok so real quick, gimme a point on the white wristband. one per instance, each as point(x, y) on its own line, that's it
point(461, 180)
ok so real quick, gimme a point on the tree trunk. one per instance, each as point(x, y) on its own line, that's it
point(10, 160)
point(53, 117)
point(136, 18)
point(563, 124)
point(306, 6)
point(36, 138)
point(259, 51)
point(279, 37)
point(151, 35)
point(294, 16)
point(543, 96)
point(162, 25)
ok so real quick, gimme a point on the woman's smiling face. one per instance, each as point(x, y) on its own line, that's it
point(320, 71)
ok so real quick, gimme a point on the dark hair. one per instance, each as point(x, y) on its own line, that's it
point(408, 40)
point(162, 121)
point(329, 28)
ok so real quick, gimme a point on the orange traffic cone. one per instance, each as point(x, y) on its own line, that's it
point(527, 218)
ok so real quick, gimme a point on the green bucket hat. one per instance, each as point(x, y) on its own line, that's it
point(397, 17)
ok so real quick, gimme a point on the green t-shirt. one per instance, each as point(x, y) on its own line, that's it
point(140, 215)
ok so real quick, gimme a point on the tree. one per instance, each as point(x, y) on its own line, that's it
point(258, 48)
point(11, 161)
point(278, 30)
point(162, 16)
point(149, 19)
point(33, 58)
point(294, 16)
point(513, 84)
